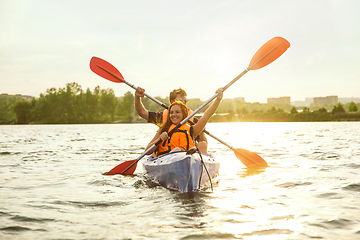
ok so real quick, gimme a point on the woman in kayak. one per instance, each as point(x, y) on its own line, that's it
point(182, 139)
point(159, 118)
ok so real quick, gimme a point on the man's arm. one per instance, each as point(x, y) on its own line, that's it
point(139, 107)
point(201, 137)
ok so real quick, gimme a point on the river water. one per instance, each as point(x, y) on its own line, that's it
point(52, 185)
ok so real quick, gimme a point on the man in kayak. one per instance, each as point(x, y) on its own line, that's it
point(183, 139)
point(159, 118)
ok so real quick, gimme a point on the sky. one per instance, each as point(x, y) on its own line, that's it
point(199, 46)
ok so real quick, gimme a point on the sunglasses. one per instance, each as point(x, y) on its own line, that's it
point(184, 100)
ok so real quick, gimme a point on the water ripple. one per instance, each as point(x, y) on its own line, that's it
point(15, 229)
point(353, 187)
point(90, 204)
point(328, 155)
point(293, 184)
point(28, 219)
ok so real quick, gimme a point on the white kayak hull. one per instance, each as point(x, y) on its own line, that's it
point(181, 172)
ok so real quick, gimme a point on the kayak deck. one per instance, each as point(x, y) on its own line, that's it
point(181, 172)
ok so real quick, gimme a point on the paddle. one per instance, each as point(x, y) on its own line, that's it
point(248, 158)
point(108, 71)
point(269, 52)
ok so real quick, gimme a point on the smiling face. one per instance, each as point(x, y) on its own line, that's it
point(176, 114)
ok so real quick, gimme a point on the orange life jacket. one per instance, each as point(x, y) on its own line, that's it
point(182, 138)
point(165, 113)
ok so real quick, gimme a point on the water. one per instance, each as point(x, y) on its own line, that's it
point(52, 185)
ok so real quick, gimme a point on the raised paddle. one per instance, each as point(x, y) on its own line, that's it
point(108, 71)
point(269, 52)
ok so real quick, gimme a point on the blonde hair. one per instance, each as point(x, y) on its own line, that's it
point(175, 92)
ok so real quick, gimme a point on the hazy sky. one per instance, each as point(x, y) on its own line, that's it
point(197, 45)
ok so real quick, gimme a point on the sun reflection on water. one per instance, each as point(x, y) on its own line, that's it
point(243, 218)
point(254, 191)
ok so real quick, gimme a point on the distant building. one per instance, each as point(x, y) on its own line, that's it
point(18, 96)
point(307, 102)
point(283, 100)
point(298, 103)
point(325, 101)
point(242, 99)
point(348, 100)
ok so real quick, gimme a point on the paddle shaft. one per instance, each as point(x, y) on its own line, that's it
point(235, 79)
point(132, 86)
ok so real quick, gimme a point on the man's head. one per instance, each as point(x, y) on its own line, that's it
point(178, 94)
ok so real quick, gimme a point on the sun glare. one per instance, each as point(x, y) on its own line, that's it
point(243, 217)
point(242, 208)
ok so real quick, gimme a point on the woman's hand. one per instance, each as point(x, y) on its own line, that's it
point(220, 93)
point(164, 136)
point(158, 136)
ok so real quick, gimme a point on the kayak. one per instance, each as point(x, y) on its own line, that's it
point(181, 172)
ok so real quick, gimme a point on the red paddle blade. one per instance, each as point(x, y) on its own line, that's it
point(125, 168)
point(268, 53)
point(106, 70)
point(250, 159)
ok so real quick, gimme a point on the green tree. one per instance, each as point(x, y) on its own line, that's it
point(322, 110)
point(338, 109)
point(272, 110)
point(126, 107)
point(91, 110)
point(71, 107)
point(353, 107)
point(45, 106)
point(306, 109)
point(60, 106)
point(22, 109)
point(293, 110)
point(7, 114)
point(108, 104)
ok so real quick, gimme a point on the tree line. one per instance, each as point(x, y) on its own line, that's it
point(338, 113)
point(72, 105)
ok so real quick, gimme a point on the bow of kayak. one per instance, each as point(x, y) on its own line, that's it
point(181, 172)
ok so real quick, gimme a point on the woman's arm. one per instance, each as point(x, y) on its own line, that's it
point(163, 136)
point(200, 125)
